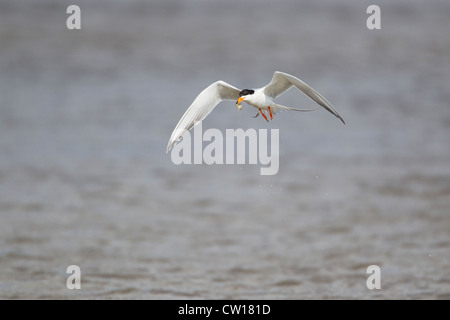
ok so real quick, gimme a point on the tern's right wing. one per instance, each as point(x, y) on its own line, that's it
point(205, 102)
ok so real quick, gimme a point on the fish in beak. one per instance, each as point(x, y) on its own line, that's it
point(238, 103)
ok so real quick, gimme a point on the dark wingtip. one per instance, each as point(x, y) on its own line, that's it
point(169, 147)
point(339, 117)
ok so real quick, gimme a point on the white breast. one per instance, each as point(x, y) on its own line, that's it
point(259, 99)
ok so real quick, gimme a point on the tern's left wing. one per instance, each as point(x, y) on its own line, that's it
point(205, 102)
point(282, 81)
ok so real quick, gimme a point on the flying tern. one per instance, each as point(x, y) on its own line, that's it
point(261, 99)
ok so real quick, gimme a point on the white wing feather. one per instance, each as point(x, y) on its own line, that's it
point(282, 81)
point(205, 102)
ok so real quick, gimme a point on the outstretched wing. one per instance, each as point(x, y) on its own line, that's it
point(282, 81)
point(205, 102)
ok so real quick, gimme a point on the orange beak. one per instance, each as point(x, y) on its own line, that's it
point(240, 100)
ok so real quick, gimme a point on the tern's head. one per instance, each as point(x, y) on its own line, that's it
point(242, 95)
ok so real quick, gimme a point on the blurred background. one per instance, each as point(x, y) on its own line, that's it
point(85, 117)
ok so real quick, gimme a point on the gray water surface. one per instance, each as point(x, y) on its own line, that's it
point(85, 117)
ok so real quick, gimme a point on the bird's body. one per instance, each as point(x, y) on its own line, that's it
point(261, 99)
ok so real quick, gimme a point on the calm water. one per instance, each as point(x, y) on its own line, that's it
point(85, 117)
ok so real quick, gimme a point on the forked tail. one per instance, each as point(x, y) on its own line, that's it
point(278, 107)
